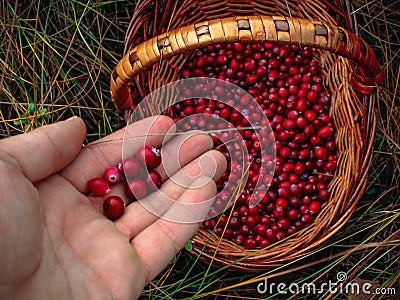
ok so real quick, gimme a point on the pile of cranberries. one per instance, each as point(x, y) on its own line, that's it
point(136, 173)
point(286, 83)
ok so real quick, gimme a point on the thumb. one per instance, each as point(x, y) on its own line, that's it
point(45, 150)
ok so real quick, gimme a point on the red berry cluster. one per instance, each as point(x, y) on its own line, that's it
point(286, 83)
point(140, 180)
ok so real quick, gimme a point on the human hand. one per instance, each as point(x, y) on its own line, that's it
point(55, 242)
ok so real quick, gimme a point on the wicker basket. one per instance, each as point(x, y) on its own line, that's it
point(157, 50)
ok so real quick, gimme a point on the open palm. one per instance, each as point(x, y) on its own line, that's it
point(55, 242)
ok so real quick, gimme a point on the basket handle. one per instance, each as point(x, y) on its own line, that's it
point(275, 29)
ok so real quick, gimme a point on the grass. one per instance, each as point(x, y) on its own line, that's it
point(56, 58)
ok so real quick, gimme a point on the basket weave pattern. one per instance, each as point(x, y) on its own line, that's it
point(152, 62)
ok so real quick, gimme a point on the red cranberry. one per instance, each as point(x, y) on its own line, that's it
point(294, 202)
point(330, 145)
point(324, 195)
point(249, 243)
point(307, 218)
point(321, 153)
point(273, 75)
point(278, 213)
point(260, 71)
point(280, 235)
point(265, 220)
point(251, 221)
point(312, 96)
point(301, 105)
point(149, 156)
point(283, 223)
point(221, 60)
point(244, 229)
point(284, 192)
point(239, 239)
point(330, 166)
point(284, 51)
point(264, 243)
point(252, 79)
point(238, 47)
point(301, 122)
point(299, 225)
point(308, 130)
point(299, 168)
point(234, 64)
point(304, 154)
point(253, 210)
point(209, 224)
point(293, 214)
point(153, 181)
point(271, 235)
point(261, 229)
point(282, 203)
point(98, 186)
point(113, 207)
point(131, 167)
point(243, 210)
point(315, 207)
point(315, 140)
point(234, 223)
point(325, 131)
point(112, 175)
point(219, 230)
point(223, 221)
point(136, 189)
point(228, 233)
point(291, 230)
point(249, 65)
point(310, 115)
point(303, 209)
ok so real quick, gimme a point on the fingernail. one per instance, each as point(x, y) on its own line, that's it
point(72, 118)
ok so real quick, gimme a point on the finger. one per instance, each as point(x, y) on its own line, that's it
point(171, 235)
point(46, 150)
point(107, 152)
point(140, 215)
point(181, 150)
